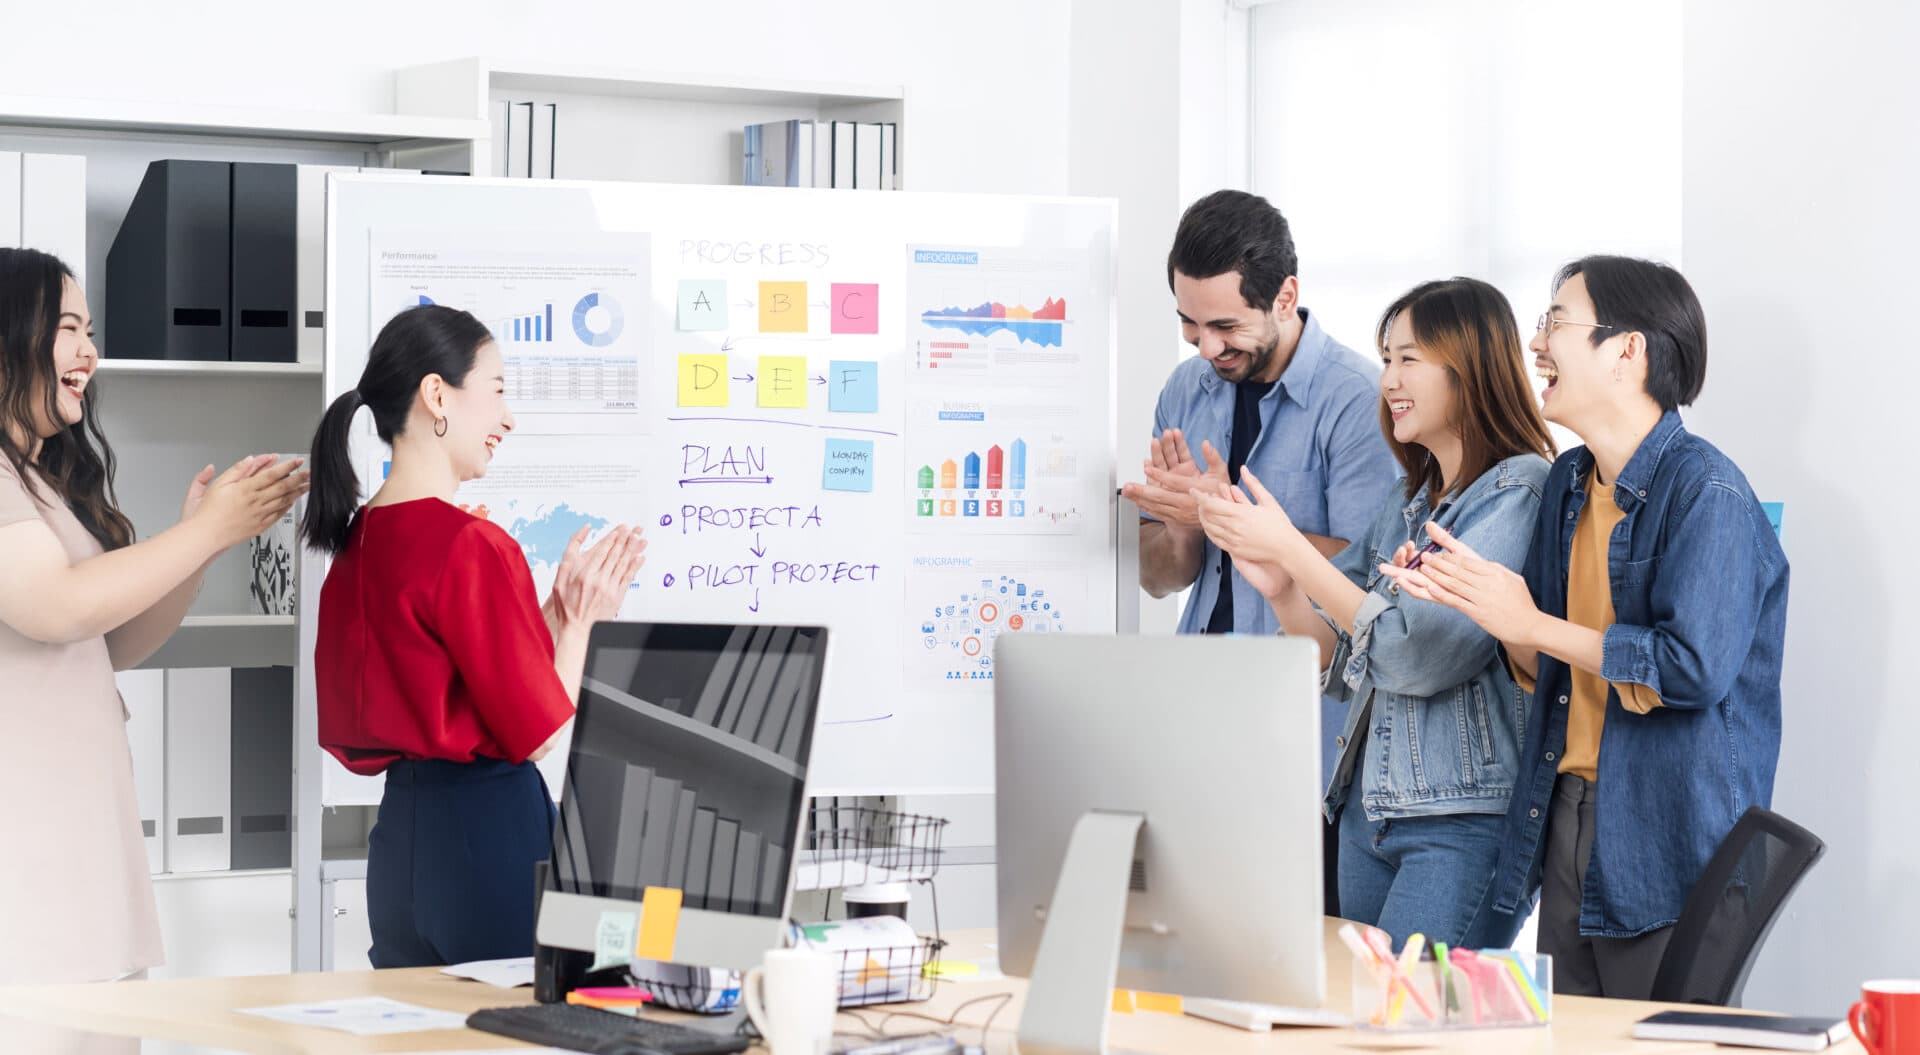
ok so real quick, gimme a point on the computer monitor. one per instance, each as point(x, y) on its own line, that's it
point(1158, 807)
point(688, 771)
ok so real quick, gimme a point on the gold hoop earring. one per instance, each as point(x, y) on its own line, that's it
point(440, 424)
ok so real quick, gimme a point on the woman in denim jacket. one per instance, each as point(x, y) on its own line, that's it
point(1434, 721)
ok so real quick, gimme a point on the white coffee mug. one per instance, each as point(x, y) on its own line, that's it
point(792, 998)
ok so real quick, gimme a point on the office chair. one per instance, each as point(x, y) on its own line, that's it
point(1727, 917)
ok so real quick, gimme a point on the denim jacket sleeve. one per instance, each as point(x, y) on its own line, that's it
point(1705, 602)
point(1417, 648)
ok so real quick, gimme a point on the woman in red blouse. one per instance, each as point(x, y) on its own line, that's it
point(435, 663)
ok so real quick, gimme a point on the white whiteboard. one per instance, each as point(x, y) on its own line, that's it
point(962, 341)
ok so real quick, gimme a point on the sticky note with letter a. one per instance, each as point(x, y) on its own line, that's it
point(703, 380)
point(703, 304)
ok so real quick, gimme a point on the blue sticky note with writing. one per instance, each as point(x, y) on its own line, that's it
point(853, 386)
point(849, 465)
point(1776, 512)
point(703, 304)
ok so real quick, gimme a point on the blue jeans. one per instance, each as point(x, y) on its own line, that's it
point(1427, 875)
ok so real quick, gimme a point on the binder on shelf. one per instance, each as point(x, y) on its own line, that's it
point(714, 696)
point(726, 836)
point(699, 858)
point(502, 133)
point(866, 156)
point(310, 259)
point(843, 155)
point(663, 806)
point(780, 707)
point(167, 272)
point(545, 140)
point(677, 849)
point(631, 833)
point(773, 877)
point(144, 694)
point(264, 281)
point(261, 765)
point(754, 706)
point(779, 154)
point(53, 208)
point(746, 872)
point(519, 140)
point(11, 200)
point(889, 156)
point(199, 792)
point(750, 660)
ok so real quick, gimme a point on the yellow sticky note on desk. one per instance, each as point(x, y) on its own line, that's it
point(703, 380)
point(1165, 1003)
point(783, 381)
point(659, 923)
point(783, 307)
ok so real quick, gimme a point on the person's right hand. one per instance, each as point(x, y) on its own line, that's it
point(1267, 577)
point(1172, 474)
point(1404, 554)
point(247, 499)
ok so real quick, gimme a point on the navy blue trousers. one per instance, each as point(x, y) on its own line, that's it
point(450, 862)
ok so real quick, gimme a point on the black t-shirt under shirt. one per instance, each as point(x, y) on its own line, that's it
point(1246, 429)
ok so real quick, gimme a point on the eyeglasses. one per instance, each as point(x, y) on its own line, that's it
point(1546, 322)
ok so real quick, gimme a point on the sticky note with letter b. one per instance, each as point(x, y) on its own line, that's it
point(783, 307)
point(703, 380)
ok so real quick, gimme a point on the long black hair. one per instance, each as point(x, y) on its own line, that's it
point(429, 339)
point(76, 462)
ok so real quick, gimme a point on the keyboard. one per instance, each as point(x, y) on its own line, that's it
point(598, 1032)
point(1259, 1018)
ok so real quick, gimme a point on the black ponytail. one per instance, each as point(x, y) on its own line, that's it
point(420, 341)
point(334, 491)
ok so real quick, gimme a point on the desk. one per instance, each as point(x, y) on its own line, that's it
point(201, 1011)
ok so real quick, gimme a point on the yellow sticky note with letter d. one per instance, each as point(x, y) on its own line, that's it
point(703, 380)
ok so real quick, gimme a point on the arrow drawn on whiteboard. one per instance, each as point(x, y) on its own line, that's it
point(758, 549)
point(748, 379)
point(726, 480)
point(859, 721)
point(755, 606)
point(818, 379)
point(744, 303)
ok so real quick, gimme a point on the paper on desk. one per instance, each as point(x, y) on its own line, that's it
point(506, 974)
point(365, 1016)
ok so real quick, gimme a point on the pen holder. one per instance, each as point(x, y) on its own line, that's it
point(1475, 990)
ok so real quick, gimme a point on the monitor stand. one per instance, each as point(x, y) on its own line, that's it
point(1071, 991)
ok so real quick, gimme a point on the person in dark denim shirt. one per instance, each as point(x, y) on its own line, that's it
point(1430, 740)
point(1653, 611)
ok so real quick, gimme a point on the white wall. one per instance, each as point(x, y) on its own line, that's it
point(1800, 228)
point(986, 78)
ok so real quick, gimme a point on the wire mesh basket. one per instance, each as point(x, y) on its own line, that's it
point(888, 975)
point(860, 846)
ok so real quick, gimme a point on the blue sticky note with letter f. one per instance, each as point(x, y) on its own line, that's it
point(849, 465)
point(853, 386)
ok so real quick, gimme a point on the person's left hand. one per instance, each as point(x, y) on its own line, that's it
point(197, 487)
point(592, 583)
point(1488, 592)
point(1255, 530)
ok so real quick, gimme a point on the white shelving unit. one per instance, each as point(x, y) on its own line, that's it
point(110, 367)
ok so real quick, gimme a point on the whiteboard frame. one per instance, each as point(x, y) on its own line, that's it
point(312, 888)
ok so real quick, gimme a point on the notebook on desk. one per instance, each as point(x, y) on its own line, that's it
point(1749, 1031)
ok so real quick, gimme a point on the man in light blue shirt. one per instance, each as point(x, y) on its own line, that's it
point(1271, 391)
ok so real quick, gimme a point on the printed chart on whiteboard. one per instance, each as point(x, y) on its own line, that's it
point(569, 316)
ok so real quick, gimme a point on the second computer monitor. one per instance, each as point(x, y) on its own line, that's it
point(1214, 743)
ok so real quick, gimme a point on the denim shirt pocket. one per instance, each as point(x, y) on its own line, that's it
point(1633, 597)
